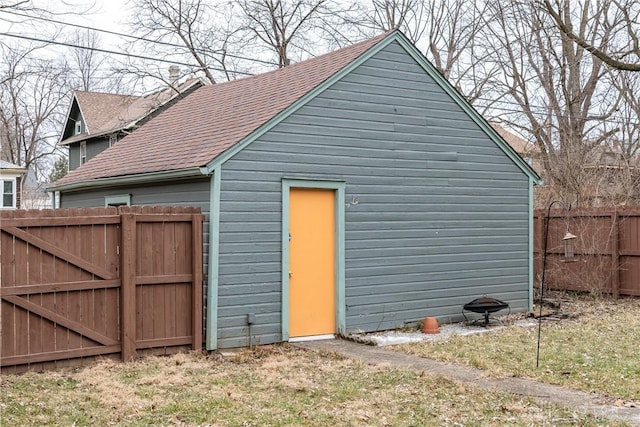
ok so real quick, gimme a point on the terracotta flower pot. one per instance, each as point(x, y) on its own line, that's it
point(430, 326)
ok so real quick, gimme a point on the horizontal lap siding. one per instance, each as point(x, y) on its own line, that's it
point(94, 147)
point(441, 214)
point(250, 257)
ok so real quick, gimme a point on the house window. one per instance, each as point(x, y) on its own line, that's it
point(55, 199)
point(118, 200)
point(78, 127)
point(8, 193)
point(83, 152)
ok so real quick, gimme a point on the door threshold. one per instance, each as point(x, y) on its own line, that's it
point(312, 338)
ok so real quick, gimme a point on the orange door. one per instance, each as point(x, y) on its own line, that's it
point(311, 262)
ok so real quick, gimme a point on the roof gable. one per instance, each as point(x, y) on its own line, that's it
point(213, 118)
point(97, 108)
point(205, 129)
point(106, 112)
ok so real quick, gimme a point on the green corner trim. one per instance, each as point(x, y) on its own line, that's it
point(214, 259)
point(339, 187)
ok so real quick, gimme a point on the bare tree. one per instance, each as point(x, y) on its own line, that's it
point(290, 29)
point(32, 96)
point(447, 32)
point(623, 182)
point(86, 61)
point(619, 20)
point(185, 30)
point(409, 16)
point(18, 4)
point(564, 93)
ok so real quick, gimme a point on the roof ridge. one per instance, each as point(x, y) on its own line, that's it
point(219, 116)
point(305, 62)
point(99, 93)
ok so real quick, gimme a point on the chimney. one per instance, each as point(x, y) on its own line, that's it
point(174, 74)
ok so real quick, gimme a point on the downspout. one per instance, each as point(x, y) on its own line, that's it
point(214, 250)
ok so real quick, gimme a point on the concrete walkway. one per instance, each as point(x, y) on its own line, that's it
point(543, 393)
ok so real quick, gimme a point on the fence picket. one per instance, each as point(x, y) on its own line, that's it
point(71, 281)
point(607, 250)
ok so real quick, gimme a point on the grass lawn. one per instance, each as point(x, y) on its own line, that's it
point(596, 351)
point(272, 386)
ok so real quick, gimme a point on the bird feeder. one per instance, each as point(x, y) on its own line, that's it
point(569, 253)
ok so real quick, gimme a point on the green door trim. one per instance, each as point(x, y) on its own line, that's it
point(339, 188)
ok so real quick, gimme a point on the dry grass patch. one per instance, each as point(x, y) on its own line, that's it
point(272, 386)
point(596, 351)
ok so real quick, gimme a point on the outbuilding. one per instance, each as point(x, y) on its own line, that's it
point(354, 191)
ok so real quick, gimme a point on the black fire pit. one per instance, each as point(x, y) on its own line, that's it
point(484, 305)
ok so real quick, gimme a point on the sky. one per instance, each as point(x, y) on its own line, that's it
point(102, 14)
point(109, 15)
point(59, 23)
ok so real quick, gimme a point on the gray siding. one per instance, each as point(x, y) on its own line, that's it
point(94, 147)
point(441, 218)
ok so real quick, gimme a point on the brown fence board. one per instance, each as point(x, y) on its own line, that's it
point(80, 283)
point(607, 250)
point(57, 252)
point(47, 263)
point(54, 287)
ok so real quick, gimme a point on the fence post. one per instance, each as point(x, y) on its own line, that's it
point(128, 288)
point(615, 255)
point(196, 290)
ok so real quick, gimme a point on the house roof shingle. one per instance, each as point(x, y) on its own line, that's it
point(213, 118)
point(106, 112)
point(520, 146)
point(98, 108)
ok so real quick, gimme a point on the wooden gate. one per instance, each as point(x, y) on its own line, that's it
point(79, 283)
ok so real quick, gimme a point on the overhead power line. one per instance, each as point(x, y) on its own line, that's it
point(131, 36)
point(128, 55)
point(539, 109)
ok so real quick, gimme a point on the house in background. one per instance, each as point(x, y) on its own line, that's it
point(34, 192)
point(525, 149)
point(613, 174)
point(355, 191)
point(11, 177)
point(95, 121)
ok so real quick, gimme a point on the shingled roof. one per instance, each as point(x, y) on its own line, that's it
point(213, 118)
point(97, 108)
point(104, 113)
point(521, 146)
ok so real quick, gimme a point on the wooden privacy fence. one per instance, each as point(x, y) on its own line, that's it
point(78, 283)
point(607, 250)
